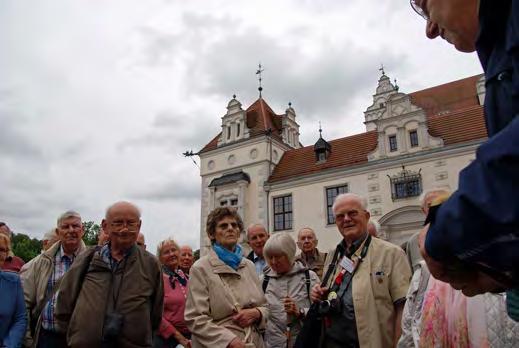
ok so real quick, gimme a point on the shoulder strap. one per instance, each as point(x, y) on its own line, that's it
point(331, 267)
point(266, 279)
point(307, 281)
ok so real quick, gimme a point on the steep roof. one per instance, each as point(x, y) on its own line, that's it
point(459, 126)
point(453, 114)
point(345, 152)
point(450, 96)
point(259, 118)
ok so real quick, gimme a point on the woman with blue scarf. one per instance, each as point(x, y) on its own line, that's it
point(225, 305)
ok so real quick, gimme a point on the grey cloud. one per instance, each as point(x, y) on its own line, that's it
point(174, 190)
point(13, 141)
point(320, 85)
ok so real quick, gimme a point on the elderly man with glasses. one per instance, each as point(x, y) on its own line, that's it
point(472, 240)
point(42, 279)
point(113, 296)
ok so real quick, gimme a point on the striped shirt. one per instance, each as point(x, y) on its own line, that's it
point(62, 264)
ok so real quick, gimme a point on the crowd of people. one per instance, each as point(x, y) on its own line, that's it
point(117, 294)
point(444, 288)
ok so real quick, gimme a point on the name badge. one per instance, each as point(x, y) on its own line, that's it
point(347, 264)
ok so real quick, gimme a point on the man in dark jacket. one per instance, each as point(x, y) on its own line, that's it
point(113, 295)
point(477, 228)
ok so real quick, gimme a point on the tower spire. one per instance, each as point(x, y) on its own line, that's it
point(320, 130)
point(258, 72)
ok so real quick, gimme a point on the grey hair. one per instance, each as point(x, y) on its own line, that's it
point(362, 200)
point(306, 228)
point(251, 226)
point(66, 215)
point(168, 240)
point(426, 193)
point(120, 202)
point(50, 234)
point(280, 243)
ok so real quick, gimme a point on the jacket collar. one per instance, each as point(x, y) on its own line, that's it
point(51, 252)
point(298, 267)
point(219, 266)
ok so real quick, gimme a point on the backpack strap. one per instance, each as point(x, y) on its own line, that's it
point(307, 282)
point(266, 279)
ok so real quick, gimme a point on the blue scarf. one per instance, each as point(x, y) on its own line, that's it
point(231, 259)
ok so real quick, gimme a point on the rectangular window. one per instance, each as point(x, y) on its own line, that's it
point(283, 213)
point(331, 193)
point(237, 130)
point(392, 143)
point(413, 137)
point(228, 132)
point(234, 202)
point(223, 203)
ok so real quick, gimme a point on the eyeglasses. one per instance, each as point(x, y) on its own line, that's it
point(119, 225)
point(2, 250)
point(419, 6)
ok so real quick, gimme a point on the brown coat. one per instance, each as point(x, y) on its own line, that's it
point(210, 307)
point(81, 305)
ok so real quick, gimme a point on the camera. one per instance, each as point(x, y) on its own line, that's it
point(112, 325)
point(332, 306)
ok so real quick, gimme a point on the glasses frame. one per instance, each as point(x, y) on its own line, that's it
point(419, 10)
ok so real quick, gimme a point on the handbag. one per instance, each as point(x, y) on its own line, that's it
point(311, 333)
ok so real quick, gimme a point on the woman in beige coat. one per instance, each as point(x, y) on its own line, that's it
point(225, 304)
point(287, 285)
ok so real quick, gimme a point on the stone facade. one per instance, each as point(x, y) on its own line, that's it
point(413, 142)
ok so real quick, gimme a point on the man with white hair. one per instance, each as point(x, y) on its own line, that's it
point(310, 256)
point(369, 282)
point(43, 278)
point(186, 259)
point(257, 236)
point(123, 280)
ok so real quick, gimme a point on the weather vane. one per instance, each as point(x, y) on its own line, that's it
point(382, 69)
point(320, 130)
point(191, 155)
point(258, 72)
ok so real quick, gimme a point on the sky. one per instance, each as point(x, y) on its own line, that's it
point(99, 99)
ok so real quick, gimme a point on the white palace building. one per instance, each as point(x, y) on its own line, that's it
point(413, 142)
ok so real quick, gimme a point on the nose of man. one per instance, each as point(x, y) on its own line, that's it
point(432, 30)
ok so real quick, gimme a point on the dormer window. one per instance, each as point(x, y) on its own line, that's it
point(413, 138)
point(392, 143)
point(322, 149)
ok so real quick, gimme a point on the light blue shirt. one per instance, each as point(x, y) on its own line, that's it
point(260, 263)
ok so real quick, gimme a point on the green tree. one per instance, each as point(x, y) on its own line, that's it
point(25, 247)
point(91, 232)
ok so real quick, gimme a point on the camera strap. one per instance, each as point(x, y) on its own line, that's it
point(340, 276)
